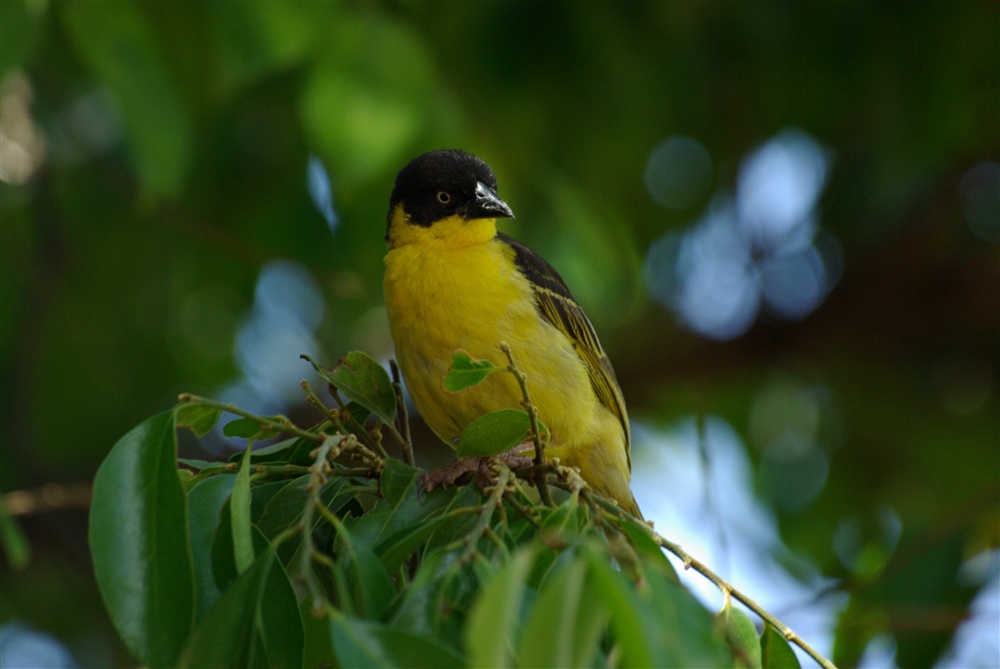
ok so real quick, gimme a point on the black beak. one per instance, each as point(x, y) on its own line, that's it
point(487, 205)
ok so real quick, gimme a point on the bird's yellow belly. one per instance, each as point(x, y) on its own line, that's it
point(442, 300)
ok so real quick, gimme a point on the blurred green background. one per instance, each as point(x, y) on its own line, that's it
point(783, 219)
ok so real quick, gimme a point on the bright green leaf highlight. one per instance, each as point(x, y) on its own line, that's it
point(494, 433)
point(494, 622)
point(743, 634)
point(14, 543)
point(196, 417)
point(371, 95)
point(248, 429)
point(359, 643)
point(566, 623)
point(139, 542)
point(465, 372)
point(239, 509)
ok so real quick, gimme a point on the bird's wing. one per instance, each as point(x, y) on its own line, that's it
point(556, 305)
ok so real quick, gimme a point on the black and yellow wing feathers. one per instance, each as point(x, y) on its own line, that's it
point(556, 304)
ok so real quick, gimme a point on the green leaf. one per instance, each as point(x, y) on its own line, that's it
point(223, 558)
point(372, 587)
point(404, 506)
point(494, 433)
point(743, 634)
point(284, 507)
point(775, 652)
point(398, 482)
point(139, 542)
point(678, 627)
point(317, 651)
point(393, 550)
point(261, 495)
point(465, 372)
point(205, 502)
point(361, 379)
point(360, 643)
point(198, 418)
point(626, 613)
point(247, 428)
point(116, 41)
point(495, 618)
point(464, 497)
point(650, 553)
point(239, 508)
point(256, 622)
point(195, 463)
point(358, 413)
point(279, 451)
point(565, 626)
point(14, 543)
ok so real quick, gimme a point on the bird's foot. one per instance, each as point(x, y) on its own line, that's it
point(450, 473)
point(457, 471)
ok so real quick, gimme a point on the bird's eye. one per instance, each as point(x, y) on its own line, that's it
point(444, 197)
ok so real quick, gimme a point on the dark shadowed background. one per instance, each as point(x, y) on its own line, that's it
point(782, 218)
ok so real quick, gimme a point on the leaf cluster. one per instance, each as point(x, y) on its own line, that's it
point(322, 550)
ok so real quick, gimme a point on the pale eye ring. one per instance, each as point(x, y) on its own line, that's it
point(444, 197)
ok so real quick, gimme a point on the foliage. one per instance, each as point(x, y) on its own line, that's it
point(160, 163)
point(287, 557)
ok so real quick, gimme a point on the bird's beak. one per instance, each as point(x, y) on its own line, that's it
point(487, 204)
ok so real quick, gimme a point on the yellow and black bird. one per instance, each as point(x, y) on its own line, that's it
point(453, 282)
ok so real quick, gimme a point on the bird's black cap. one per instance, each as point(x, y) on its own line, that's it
point(445, 183)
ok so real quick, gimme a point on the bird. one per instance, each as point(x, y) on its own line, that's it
point(454, 282)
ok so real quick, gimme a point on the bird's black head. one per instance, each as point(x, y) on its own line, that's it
point(446, 183)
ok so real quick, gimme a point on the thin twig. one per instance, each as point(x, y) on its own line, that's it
point(318, 472)
point(536, 437)
point(282, 425)
point(495, 493)
point(335, 417)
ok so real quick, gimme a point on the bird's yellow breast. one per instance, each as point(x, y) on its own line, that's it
point(441, 298)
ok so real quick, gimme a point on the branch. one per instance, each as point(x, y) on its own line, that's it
point(691, 562)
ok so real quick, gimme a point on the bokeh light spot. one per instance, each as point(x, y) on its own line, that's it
point(288, 308)
point(22, 142)
point(793, 284)
point(778, 187)
point(678, 172)
point(762, 248)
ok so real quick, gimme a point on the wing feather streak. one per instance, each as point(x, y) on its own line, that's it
point(556, 304)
